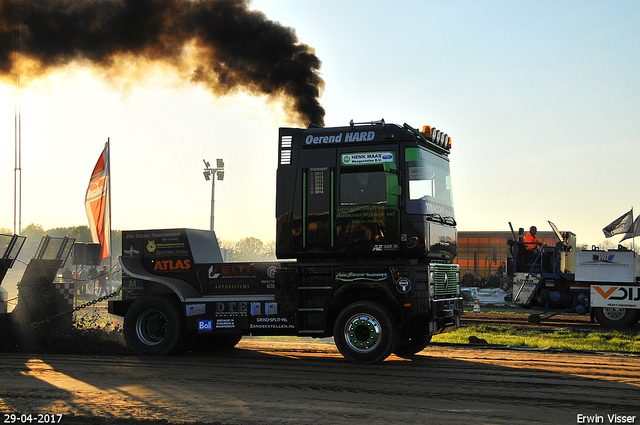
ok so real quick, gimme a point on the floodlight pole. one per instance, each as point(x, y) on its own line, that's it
point(208, 173)
point(213, 201)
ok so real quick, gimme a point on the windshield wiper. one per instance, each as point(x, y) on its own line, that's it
point(435, 217)
point(446, 220)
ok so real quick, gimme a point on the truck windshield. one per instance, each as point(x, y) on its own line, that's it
point(362, 188)
point(429, 184)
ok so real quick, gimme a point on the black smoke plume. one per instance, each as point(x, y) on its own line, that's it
point(235, 48)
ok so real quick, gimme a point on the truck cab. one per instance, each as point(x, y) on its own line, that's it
point(370, 191)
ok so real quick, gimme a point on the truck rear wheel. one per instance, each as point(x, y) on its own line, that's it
point(616, 317)
point(225, 342)
point(365, 332)
point(412, 345)
point(154, 325)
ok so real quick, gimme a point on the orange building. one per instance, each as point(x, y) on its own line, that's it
point(482, 252)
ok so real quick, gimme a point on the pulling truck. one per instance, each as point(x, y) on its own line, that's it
point(561, 279)
point(365, 238)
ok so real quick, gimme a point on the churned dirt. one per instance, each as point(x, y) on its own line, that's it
point(305, 381)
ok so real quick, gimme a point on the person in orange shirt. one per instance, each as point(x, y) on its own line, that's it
point(531, 242)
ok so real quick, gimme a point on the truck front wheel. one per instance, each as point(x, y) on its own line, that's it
point(413, 345)
point(365, 332)
point(616, 317)
point(154, 325)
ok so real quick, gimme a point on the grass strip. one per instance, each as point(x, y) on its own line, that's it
point(567, 339)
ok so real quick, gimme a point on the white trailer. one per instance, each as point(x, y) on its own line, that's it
point(559, 278)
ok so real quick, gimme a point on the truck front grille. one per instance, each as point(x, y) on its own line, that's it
point(445, 277)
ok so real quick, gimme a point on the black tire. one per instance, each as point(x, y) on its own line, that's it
point(225, 342)
point(365, 332)
point(412, 345)
point(616, 317)
point(154, 326)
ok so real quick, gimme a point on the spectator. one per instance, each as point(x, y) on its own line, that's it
point(93, 274)
point(67, 276)
point(102, 281)
point(493, 281)
point(480, 282)
point(467, 280)
point(83, 275)
point(505, 282)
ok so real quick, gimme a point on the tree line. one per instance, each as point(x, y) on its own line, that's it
point(246, 249)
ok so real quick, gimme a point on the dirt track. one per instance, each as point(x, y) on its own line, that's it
point(307, 382)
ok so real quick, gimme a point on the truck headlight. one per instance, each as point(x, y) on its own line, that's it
point(432, 282)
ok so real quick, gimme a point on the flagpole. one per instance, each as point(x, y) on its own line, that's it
point(17, 170)
point(109, 195)
point(633, 240)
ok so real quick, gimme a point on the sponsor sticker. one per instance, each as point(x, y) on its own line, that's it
point(151, 246)
point(366, 158)
point(354, 276)
point(205, 325)
point(403, 285)
point(196, 309)
point(616, 296)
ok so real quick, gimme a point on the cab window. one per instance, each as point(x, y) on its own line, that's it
point(363, 187)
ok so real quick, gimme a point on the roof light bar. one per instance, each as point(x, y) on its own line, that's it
point(436, 136)
point(432, 135)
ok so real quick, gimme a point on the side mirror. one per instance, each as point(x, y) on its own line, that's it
point(394, 190)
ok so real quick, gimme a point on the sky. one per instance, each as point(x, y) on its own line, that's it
point(541, 100)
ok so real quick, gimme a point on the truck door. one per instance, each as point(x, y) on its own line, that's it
point(367, 217)
point(317, 204)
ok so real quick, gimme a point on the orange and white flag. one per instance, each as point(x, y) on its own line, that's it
point(97, 203)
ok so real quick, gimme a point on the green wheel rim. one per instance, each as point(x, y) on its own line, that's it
point(362, 333)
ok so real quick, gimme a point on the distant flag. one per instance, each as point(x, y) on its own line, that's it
point(621, 224)
point(633, 231)
point(97, 203)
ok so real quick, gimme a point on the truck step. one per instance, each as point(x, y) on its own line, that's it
point(316, 288)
